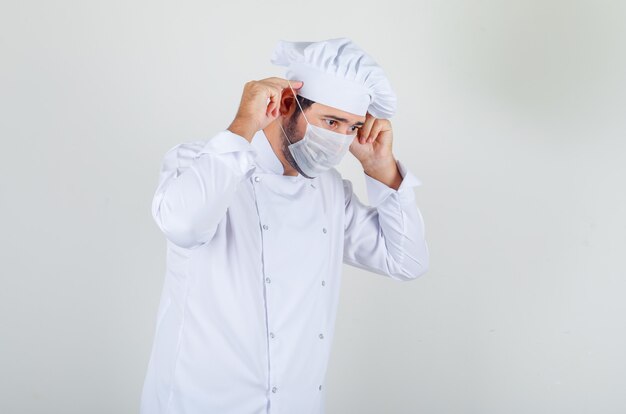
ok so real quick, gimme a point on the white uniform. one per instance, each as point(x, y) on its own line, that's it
point(254, 259)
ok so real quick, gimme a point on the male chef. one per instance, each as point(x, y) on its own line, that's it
point(258, 223)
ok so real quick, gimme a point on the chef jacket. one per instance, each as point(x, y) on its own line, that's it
point(253, 270)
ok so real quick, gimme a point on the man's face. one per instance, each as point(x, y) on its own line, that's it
point(321, 115)
point(332, 118)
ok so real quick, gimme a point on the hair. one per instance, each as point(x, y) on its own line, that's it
point(304, 103)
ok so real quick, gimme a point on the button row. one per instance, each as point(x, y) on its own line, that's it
point(268, 280)
point(258, 179)
point(275, 389)
point(266, 227)
point(272, 335)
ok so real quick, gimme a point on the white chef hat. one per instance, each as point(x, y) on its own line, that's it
point(337, 73)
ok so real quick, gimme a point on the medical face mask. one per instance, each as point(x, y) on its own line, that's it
point(320, 149)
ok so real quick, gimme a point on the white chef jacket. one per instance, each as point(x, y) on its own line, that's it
point(254, 258)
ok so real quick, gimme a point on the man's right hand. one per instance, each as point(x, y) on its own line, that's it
point(255, 111)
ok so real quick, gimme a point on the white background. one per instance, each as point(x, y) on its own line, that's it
point(512, 113)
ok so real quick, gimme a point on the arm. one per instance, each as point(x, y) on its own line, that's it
point(386, 237)
point(197, 182)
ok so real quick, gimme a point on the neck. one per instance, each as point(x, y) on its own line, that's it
point(275, 137)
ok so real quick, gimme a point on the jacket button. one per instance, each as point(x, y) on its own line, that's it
point(323, 283)
point(274, 389)
point(268, 280)
point(324, 229)
point(265, 227)
point(257, 178)
point(321, 336)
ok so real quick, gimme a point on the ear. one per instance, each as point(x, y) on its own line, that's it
point(287, 102)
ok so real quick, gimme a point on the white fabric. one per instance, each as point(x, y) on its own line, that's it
point(337, 73)
point(254, 258)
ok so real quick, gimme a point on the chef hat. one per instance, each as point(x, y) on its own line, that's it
point(337, 73)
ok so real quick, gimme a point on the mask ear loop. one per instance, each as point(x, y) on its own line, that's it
point(302, 110)
point(298, 102)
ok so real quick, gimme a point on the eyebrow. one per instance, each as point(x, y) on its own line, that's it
point(336, 118)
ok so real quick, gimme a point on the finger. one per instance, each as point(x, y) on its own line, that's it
point(284, 83)
point(271, 101)
point(274, 101)
point(364, 131)
point(274, 93)
point(374, 132)
point(271, 104)
point(287, 90)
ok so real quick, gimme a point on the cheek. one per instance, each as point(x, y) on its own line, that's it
point(295, 130)
point(301, 129)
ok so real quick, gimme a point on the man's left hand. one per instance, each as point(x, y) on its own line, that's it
point(372, 147)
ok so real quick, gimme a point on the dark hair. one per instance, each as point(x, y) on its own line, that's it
point(304, 102)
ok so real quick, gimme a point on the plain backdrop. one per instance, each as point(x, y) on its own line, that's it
point(512, 113)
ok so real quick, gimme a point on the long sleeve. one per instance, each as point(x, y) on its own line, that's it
point(197, 182)
point(386, 237)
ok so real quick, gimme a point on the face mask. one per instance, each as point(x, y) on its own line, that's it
point(320, 149)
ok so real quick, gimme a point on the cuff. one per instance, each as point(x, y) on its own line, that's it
point(377, 192)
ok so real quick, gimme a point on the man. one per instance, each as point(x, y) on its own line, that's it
point(258, 223)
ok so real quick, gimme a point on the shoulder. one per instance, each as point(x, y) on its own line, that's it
point(186, 148)
point(184, 152)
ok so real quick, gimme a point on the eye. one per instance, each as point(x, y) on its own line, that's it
point(354, 128)
point(331, 122)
